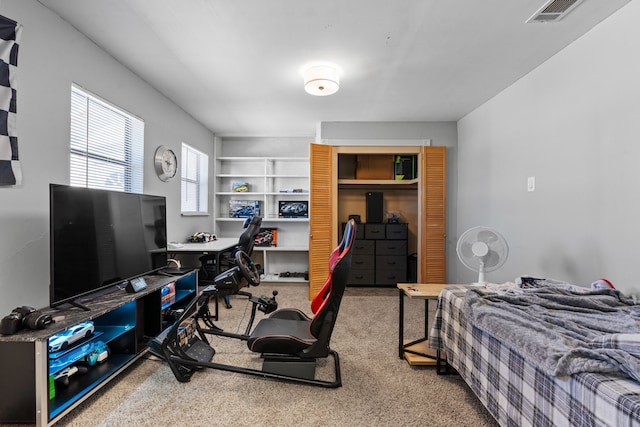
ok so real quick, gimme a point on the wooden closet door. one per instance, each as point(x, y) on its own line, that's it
point(321, 212)
point(432, 268)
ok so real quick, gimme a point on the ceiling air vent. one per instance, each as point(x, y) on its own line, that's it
point(554, 10)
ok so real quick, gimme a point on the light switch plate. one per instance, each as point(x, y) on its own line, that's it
point(531, 183)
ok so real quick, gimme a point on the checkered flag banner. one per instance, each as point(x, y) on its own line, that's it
point(10, 172)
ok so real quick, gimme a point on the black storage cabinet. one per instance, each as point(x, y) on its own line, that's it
point(379, 255)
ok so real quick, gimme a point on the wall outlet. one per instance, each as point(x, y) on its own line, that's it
point(531, 183)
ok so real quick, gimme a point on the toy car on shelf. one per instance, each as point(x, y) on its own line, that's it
point(244, 208)
point(75, 333)
point(239, 187)
point(296, 208)
point(244, 212)
point(264, 238)
point(289, 209)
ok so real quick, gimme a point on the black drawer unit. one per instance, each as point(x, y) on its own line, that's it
point(391, 262)
point(390, 277)
point(361, 278)
point(396, 231)
point(364, 247)
point(391, 247)
point(379, 255)
point(374, 231)
point(362, 262)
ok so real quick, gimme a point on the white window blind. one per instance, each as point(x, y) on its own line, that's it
point(195, 180)
point(107, 145)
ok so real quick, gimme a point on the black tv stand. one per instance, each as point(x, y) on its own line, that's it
point(122, 321)
point(86, 299)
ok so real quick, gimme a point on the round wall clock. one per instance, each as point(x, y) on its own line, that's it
point(166, 163)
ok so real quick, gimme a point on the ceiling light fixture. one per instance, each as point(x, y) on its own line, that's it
point(321, 80)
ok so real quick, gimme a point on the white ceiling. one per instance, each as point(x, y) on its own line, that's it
point(235, 65)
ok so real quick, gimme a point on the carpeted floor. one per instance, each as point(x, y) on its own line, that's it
point(379, 389)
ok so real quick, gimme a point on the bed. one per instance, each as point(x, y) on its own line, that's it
point(518, 382)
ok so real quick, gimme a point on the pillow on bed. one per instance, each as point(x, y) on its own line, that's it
point(626, 342)
point(529, 282)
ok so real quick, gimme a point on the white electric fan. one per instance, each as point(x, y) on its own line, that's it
point(482, 249)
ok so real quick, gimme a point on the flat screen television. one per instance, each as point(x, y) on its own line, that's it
point(101, 239)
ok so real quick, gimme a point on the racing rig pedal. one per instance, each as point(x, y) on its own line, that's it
point(199, 351)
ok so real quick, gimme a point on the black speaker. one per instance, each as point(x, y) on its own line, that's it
point(375, 211)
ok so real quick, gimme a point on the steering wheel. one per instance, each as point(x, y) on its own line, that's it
point(247, 268)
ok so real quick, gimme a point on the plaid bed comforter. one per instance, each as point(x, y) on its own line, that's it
point(516, 392)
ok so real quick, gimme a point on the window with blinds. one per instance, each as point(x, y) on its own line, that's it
point(195, 181)
point(107, 145)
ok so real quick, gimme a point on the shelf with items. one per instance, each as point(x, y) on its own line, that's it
point(384, 166)
point(279, 187)
point(391, 182)
point(283, 252)
point(87, 363)
point(241, 220)
point(239, 194)
point(281, 249)
point(56, 368)
point(281, 178)
point(282, 264)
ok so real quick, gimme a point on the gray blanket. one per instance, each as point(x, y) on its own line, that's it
point(560, 331)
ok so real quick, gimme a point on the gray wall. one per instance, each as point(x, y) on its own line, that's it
point(52, 56)
point(263, 147)
point(573, 123)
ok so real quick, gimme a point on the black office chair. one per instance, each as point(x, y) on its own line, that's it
point(214, 264)
point(245, 243)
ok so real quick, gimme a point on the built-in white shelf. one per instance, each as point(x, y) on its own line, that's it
point(270, 180)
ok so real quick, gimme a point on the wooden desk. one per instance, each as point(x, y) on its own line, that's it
point(417, 352)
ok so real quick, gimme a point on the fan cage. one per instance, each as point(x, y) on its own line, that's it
point(497, 244)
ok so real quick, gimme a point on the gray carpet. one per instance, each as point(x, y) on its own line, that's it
point(379, 389)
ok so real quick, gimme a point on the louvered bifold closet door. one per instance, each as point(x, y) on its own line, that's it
point(433, 224)
point(321, 212)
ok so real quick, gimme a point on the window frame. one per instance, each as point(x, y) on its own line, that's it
point(103, 138)
point(199, 178)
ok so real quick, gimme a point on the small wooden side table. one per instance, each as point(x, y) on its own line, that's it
point(417, 352)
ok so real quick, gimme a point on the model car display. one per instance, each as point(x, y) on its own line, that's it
point(291, 209)
point(244, 208)
point(75, 333)
point(267, 237)
point(239, 187)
